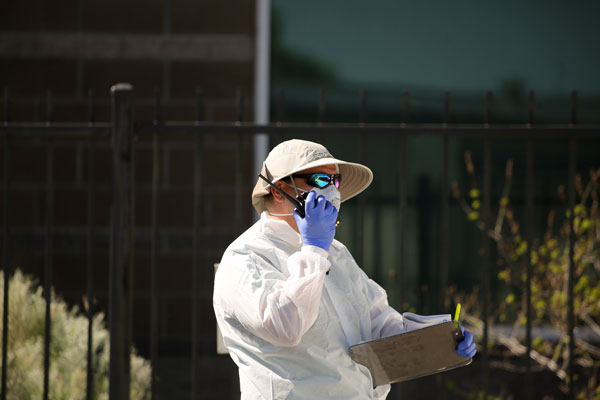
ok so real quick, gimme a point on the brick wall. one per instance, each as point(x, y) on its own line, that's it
point(78, 47)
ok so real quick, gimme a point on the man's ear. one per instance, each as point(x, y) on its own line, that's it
point(276, 195)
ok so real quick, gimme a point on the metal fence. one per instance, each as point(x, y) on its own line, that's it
point(121, 131)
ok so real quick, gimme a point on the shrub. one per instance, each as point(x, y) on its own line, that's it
point(68, 348)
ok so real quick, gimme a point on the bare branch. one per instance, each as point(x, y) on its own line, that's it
point(590, 348)
point(504, 199)
point(590, 322)
point(517, 348)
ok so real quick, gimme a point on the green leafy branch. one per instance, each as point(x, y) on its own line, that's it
point(549, 258)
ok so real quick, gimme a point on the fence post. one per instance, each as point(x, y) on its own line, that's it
point(5, 249)
point(121, 246)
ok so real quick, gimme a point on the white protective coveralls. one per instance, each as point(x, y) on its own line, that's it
point(288, 325)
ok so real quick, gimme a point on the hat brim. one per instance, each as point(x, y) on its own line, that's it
point(355, 179)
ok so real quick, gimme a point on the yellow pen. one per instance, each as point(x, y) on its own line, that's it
point(458, 333)
point(457, 313)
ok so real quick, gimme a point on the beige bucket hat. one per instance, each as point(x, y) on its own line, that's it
point(296, 155)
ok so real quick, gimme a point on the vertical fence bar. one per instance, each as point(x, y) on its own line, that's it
point(444, 224)
point(130, 273)
point(5, 239)
point(404, 217)
point(400, 390)
point(49, 246)
point(444, 227)
point(444, 206)
point(571, 275)
point(92, 106)
point(403, 200)
point(362, 199)
point(361, 205)
point(6, 107)
point(486, 244)
point(157, 106)
point(198, 141)
point(120, 241)
point(91, 212)
point(49, 260)
point(487, 167)
point(199, 106)
point(49, 107)
point(196, 261)
point(239, 165)
point(154, 267)
point(529, 193)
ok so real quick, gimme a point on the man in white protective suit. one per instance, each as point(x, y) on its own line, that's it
point(290, 299)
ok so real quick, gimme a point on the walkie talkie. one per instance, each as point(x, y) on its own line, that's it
point(298, 202)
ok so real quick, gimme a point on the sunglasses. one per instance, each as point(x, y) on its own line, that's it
point(321, 180)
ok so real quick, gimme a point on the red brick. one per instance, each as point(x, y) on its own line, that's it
point(176, 209)
point(143, 208)
point(218, 167)
point(220, 141)
point(213, 16)
point(141, 318)
point(70, 274)
point(228, 113)
point(22, 112)
point(103, 199)
point(65, 163)
point(143, 75)
point(176, 315)
point(207, 320)
point(182, 166)
point(70, 207)
point(174, 273)
point(102, 164)
point(28, 262)
point(185, 112)
point(27, 163)
point(72, 112)
point(222, 209)
point(20, 207)
point(143, 164)
point(218, 80)
point(101, 271)
point(38, 15)
point(33, 77)
point(141, 274)
point(144, 112)
point(123, 16)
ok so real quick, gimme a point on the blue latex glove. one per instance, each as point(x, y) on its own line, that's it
point(466, 348)
point(317, 228)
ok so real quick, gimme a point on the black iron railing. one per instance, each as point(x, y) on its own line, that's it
point(121, 131)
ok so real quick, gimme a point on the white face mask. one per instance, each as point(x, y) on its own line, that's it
point(331, 193)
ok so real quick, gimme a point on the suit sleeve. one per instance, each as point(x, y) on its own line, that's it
point(275, 307)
